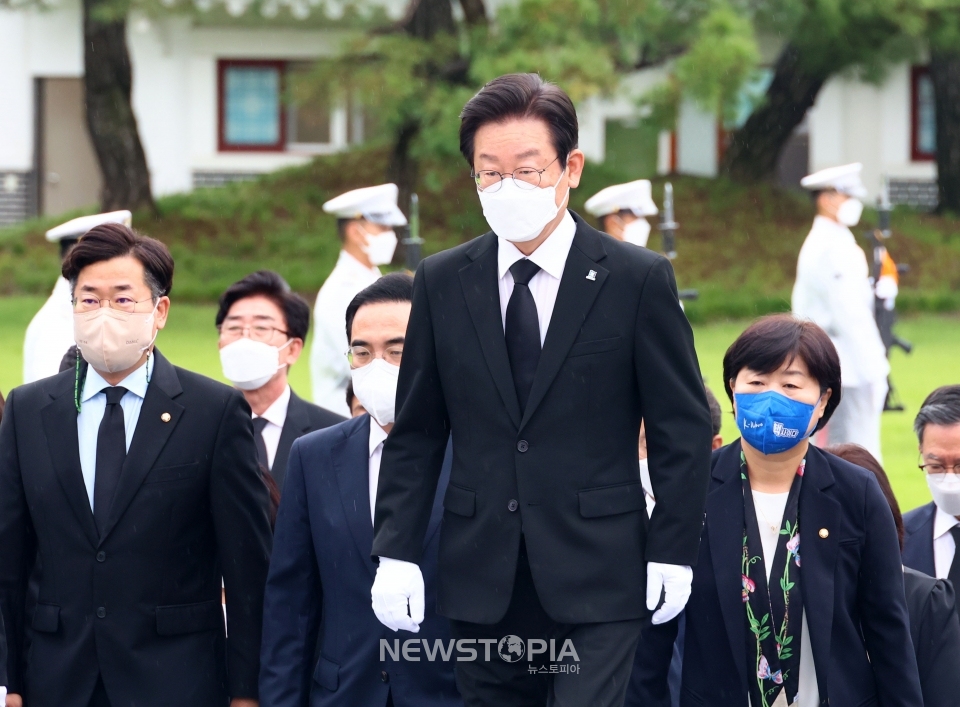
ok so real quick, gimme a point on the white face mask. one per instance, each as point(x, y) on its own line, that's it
point(380, 247)
point(637, 232)
point(112, 340)
point(250, 364)
point(850, 212)
point(520, 215)
point(375, 386)
point(645, 476)
point(946, 493)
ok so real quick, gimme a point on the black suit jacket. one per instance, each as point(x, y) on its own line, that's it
point(935, 630)
point(320, 578)
point(302, 417)
point(852, 592)
point(918, 539)
point(564, 473)
point(140, 605)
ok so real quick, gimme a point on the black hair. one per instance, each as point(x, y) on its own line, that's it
point(114, 240)
point(942, 407)
point(520, 96)
point(772, 341)
point(716, 414)
point(395, 287)
point(268, 284)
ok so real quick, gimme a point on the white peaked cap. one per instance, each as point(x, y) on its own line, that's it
point(375, 204)
point(73, 229)
point(845, 179)
point(632, 196)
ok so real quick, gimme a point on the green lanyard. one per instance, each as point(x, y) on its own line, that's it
point(80, 379)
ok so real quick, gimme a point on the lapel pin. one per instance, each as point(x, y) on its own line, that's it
point(592, 275)
point(165, 417)
point(824, 533)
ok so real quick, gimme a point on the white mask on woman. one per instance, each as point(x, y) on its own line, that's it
point(112, 340)
point(380, 247)
point(849, 212)
point(519, 215)
point(250, 364)
point(637, 232)
point(375, 386)
point(945, 492)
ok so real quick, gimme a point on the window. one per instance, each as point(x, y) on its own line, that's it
point(309, 117)
point(923, 129)
point(251, 105)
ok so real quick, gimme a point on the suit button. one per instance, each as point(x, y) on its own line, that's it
point(522, 445)
point(513, 505)
point(101, 556)
point(101, 613)
point(384, 677)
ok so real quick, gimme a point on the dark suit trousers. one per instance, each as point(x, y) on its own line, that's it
point(598, 679)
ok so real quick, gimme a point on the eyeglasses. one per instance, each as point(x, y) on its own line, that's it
point(360, 356)
point(123, 303)
point(940, 470)
point(258, 332)
point(489, 181)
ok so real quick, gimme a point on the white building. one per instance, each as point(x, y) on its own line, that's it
point(208, 97)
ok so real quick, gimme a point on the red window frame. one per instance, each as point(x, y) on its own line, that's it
point(916, 154)
point(222, 66)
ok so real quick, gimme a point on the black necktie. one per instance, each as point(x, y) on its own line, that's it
point(522, 330)
point(111, 451)
point(954, 574)
point(258, 424)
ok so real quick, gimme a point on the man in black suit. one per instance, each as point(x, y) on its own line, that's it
point(539, 347)
point(262, 327)
point(321, 570)
point(932, 532)
point(130, 488)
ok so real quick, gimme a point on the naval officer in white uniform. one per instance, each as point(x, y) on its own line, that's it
point(50, 332)
point(622, 210)
point(365, 222)
point(833, 289)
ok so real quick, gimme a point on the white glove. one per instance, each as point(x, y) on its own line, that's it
point(396, 585)
point(675, 580)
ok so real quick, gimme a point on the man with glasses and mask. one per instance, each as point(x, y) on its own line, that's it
point(262, 327)
point(321, 571)
point(539, 347)
point(366, 219)
point(932, 532)
point(129, 490)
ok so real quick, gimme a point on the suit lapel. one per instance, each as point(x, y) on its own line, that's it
point(918, 544)
point(725, 520)
point(60, 426)
point(296, 425)
point(150, 437)
point(819, 511)
point(578, 290)
point(482, 294)
point(351, 459)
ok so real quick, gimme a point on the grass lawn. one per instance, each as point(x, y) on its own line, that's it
point(190, 341)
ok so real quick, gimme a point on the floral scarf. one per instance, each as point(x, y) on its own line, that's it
point(774, 612)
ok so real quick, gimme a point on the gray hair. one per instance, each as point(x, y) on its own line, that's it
point(942, 407)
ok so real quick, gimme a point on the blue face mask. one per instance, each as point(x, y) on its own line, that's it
point(771, 422)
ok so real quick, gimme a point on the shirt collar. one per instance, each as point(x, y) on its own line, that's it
point(551, 255)
point(136, 382)
point(351, 264)
point(942, 523)
point(377, 436)
point(277, 412)
point(823, 223)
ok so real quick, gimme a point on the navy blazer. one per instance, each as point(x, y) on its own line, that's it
point(852, 588)
point(319, 583)
point(918, 539)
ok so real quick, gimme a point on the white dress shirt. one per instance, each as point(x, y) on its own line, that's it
point(93, 404)
point(770, 508)
point(49, 335)
point(551, 256)
point(275, 415)
point(944, 547)
point(377, 437)
point(329, 369)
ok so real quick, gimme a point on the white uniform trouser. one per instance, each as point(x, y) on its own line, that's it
point(857, 419)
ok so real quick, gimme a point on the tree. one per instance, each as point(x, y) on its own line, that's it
point(943, 36)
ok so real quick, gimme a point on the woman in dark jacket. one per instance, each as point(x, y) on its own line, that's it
point(797, 594)
point(934, 625)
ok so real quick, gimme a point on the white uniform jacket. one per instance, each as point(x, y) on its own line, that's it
point(833, 290)
point(329, 369)
point(49, 335)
